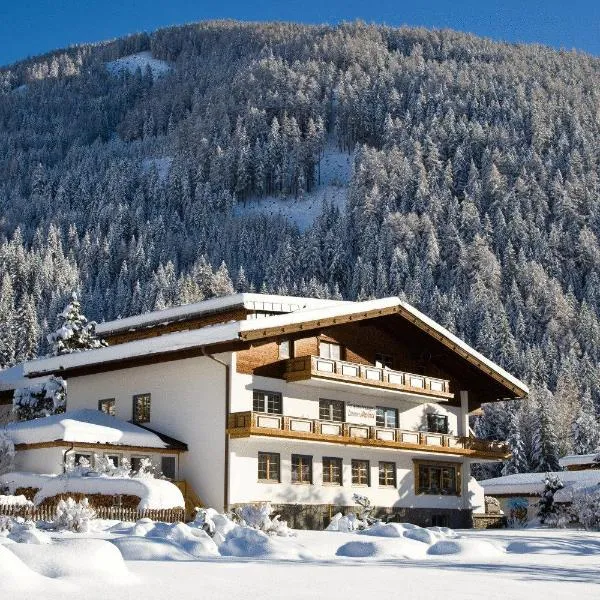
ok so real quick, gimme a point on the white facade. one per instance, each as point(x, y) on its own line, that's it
point(187, 403)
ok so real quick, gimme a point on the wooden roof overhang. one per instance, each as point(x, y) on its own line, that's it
point(99, 446)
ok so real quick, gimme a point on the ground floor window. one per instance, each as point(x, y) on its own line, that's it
point(269, 467)
point(301, 468)
point(360, 472)
point(82, 459)
point(387, 474)
point(136, 462)
point(332, 470)
point(437, 478)
point(114, 458)
point(167, 466)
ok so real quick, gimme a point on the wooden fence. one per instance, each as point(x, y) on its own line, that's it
point(48, 513)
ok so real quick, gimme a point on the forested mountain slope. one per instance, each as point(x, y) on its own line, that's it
point(474, 190)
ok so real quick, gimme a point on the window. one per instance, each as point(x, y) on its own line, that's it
point(332, 470)
point(269, 467)
point(167, 466)
point(330, 350)
point(384, 361)
point(266, 402)
point(83, 459)
point(285, 349)
point(331, 410)
point(107, 406)
point(141, 408)
point(437, 478)
point(387, 474)
point(115, 458)
point(136, 462)
point(386, 417)
point(437, 423)
point(360, 472)
point(301, 468)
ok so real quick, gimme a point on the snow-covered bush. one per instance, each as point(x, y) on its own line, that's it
point(366, 508)
point(7, 453)
point(40, 400)
point(74, 516)
point(257, 516)
point(74, 332)
point(586, 508)
point(345, 523)
point(547, 510)
point(106, 466)
point(147, 470)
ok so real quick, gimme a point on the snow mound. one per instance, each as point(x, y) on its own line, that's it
point(28, 534)
point(392, 548)
point(72, 558)
point(153, 493)
point(139, 548)
point(14, 500)
point(141, 60)
point(247, 542)
point(15, 575)
point(463, 548)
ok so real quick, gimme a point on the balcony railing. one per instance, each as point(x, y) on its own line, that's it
point(245, 424)
point(308, 367)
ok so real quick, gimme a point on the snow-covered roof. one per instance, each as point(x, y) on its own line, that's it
point(580, 459)
point(86, 426)
point(153, 493)
point(261, 302)
point(313, 314)
point(533, 483)
point(14, 378)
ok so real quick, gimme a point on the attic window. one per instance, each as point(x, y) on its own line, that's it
point(141, 408)
point(107, 406)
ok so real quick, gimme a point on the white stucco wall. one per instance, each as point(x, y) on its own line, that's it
point(302, 400)
point(40, 460)
point(246, 488)
point(188, 403)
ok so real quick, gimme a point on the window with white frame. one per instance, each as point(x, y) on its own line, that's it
point(330, 350)
point(331, 410)
point(386, 417)
point(266, 402)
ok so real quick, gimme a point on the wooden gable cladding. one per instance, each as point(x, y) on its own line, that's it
point(148, 331)
point(412, 349)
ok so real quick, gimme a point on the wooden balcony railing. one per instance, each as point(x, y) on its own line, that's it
point(246, 424)
point(308, 367)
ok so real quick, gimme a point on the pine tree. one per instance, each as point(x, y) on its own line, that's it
point(586, 428)
point(74, 333)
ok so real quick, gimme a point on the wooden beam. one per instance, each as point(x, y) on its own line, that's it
point(91, 446)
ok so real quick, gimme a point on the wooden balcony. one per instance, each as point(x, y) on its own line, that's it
point(314, 368)
point(246, 424)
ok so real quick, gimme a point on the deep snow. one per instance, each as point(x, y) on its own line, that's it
point(517, 564)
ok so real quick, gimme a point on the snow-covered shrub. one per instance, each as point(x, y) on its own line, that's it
point(345, 523)
point(74, 516)
point(586, 508)
point(365, 510)
point(40, 400)
point(7, 453)
point(147, 470)
point(106, 466)
point(257, 516)
point(552, 483)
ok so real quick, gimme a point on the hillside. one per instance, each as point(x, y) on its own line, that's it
point(164, 168)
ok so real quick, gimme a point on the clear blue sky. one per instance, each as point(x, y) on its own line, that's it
point(30, 27)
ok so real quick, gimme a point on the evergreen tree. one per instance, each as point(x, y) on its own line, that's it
point(586, 427)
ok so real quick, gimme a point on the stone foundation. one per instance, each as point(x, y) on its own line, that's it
point(318, 516)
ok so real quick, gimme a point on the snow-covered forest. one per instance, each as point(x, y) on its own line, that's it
point(474, 191)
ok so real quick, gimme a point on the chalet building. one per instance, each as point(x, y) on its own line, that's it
point(301, 402)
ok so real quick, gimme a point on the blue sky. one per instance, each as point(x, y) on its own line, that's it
point(29, 27)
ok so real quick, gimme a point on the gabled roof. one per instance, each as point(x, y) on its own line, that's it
point(87, 426)
point(326, 314)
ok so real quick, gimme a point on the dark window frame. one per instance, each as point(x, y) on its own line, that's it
point(111, 402)
point(385, 480)
point(162, 470)
point(271, 463)
point(299, 463)
point(357, 474)
point(437, 423)
point(431, 476)
point(269, 400)
point(330, 465)
point(327, 404)
point(381, 420)
point(145, 412)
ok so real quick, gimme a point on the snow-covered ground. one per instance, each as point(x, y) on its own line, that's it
point(140, 60)
point(336, 168)
point(516, 564)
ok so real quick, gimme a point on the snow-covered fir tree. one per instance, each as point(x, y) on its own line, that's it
point(7, 453)
point(75, 333)
point(586, 427)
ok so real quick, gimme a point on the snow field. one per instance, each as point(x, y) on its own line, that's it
point(141, 60)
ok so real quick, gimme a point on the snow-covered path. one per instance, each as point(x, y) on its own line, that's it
point(530, 564)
